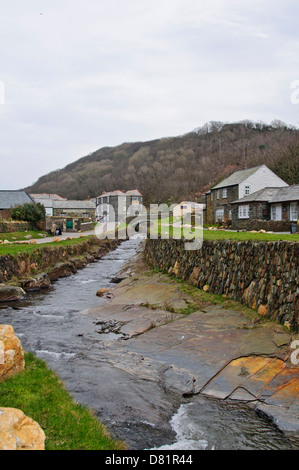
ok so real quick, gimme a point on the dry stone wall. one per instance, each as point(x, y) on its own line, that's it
point(262, 275)
point(58, 261)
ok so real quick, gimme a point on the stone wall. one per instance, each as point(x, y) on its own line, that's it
point(262, 275)
point(10, 227)
point(24, 265)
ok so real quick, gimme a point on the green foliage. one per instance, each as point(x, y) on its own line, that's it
point(39, 393)
point(32, 213)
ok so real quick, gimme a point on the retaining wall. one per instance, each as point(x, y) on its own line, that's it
point(262, 275)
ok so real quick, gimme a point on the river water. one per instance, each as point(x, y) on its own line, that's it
point(51, 325)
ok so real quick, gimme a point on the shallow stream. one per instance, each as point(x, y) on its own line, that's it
point(51, 325)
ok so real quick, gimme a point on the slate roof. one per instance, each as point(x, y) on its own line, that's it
point(263, 195)
point(74, 204)
point(48, 196)
point(237, 177)
point(10, 199)
point(289, 193)
point(132, 192)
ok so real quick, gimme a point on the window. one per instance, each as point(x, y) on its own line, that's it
point(276, 212)
point(293, 212)
point(49, 211)
point(218, 194)
point(224, 193)
point(219, 215)
point(212, 195)
point(244, 212)
point(85, 215)
point(247, 190)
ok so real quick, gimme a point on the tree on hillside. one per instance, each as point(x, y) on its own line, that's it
point(287, 167)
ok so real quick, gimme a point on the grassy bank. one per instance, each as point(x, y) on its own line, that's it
point(166, 226)
point(21, 236)
point(27, 248)
point(40, 394)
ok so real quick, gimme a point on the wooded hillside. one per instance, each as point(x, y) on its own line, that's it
point(176, 168)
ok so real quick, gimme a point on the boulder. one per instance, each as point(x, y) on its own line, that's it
point(195, 276)
point(61, 270)
point(11, 353)
point(101, 292)
point(18, 432)
point(11, 293)
point(41, 281)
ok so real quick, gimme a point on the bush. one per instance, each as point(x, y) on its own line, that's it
point(32, 213)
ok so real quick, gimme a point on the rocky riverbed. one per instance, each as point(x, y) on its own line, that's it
point(155, 369)
point(215, 351)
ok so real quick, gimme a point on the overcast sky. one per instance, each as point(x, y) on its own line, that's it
point(83, 74)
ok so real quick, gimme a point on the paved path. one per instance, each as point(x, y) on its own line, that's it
point(64, 236)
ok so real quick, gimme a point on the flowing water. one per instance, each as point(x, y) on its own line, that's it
point(51, 325)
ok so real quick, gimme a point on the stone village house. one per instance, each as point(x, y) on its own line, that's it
point(220, 199)
point(114, 205)
point(10, 199)
point(271, 209)
point(57, 206)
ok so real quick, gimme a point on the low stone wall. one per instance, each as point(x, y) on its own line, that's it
point(24, 265)
point(268, 225)
point(262, 275)
point(10, 227)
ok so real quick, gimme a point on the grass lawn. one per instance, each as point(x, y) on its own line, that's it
point(24, 248)
point(20, 236)
point(165, 226)
point(243, 236)
point(39, 393)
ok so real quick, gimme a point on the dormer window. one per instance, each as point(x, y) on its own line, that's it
point(247, 190)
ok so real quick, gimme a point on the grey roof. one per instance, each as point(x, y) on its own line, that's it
point(237, 177)
point(48, 196)
point(45, 202)
point(74, 205)
point(289, 193)
point(10, 199)
point(263, 195)
point(132, 192)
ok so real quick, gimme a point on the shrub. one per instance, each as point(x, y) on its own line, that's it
point(32, 213)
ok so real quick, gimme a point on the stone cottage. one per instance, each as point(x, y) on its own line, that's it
point(273, 209)
point(238, 185)
point(117, 205)
point(10, 199)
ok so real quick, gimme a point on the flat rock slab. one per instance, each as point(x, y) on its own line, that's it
point(11, 293)
point(216, 351)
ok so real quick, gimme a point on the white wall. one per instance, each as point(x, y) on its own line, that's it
point(262, 178)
